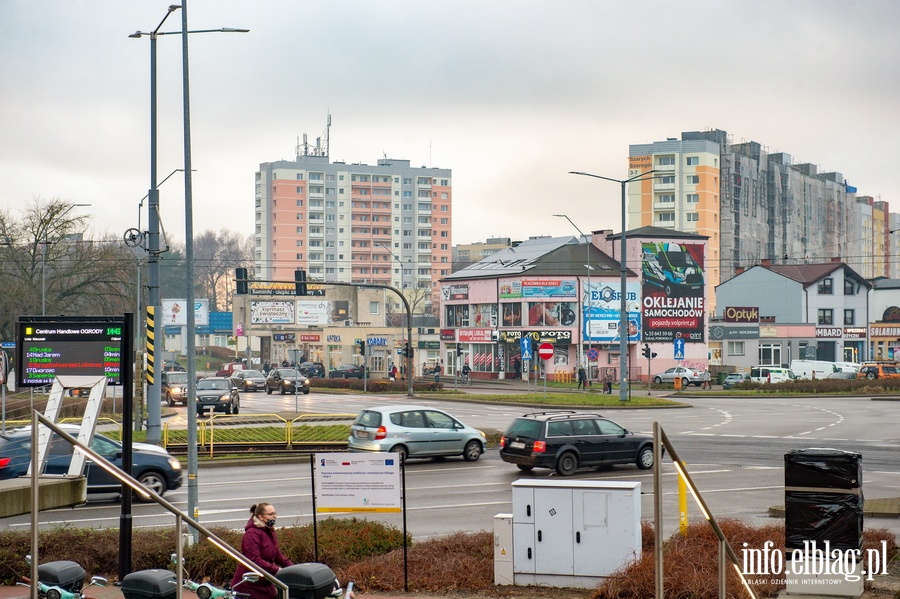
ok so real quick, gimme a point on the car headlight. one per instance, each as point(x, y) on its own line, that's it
point(174, 463)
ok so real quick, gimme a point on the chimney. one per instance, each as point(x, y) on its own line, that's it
point(836, 259)
point(766, 262)
point(738, 270)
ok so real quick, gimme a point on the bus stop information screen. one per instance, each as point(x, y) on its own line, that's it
point(49, 349)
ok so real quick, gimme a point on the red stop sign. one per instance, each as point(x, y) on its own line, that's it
point(545, 350)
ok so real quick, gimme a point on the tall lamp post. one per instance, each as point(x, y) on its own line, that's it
point(191, 390)
point(409, 315)
point(623, 268)
point(586, 307)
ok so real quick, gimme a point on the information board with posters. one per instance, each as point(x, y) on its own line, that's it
point(47, 347)
point(674, 291)
point(601, 322)
point(174, 313)
point(356, 482)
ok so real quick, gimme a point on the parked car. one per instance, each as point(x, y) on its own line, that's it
point(219, 394)
point(842, 375)
point(313, 370)
point(249, 380)
point(733, 379)
point(152, 465)
point(172, 366)
point(688, 376)
point(414, 432)
point(230, 368)
point(877, 370)
point(347, 371)
point(568, 440)
point(286, 380)
point(174, 387)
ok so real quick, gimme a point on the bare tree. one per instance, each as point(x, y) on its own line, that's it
point(216, 256)
point(51, 265)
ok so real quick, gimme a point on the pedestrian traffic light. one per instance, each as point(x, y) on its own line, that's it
point(646, 351)
point(458, 350)
point(240, 277)
point(362, 347)
point(408, 351)
point(299, 282)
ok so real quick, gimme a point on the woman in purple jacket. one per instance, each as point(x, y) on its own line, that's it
point(260, 546)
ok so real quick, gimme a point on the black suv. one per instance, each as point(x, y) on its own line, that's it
point(219, 394)
point(567, 441)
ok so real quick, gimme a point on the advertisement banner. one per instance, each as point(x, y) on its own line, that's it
point(315, 313)
point(475, 336)
point(174, 313)
point(601, 322)
point(510, 288)
point(547, 288)
point(271, 312)
point(673, 292)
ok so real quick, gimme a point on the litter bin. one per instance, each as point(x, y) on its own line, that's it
point(677, 383)
point(308, 581)
point(823, 498)
point(720, 378)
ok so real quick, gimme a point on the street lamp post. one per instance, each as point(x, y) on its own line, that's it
point(586, 306)
point(191, 390)
point(409, 315)
point(623, 268)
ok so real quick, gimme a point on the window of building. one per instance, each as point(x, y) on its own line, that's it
point(299, 176)
point(693, 179)
point(665, 160)
point(315, 176)
point(692, 198)
point(667, 180)
point(299, 229)
point(770, 354)
point(665, 217)
point(692, 160)
point(299, 256)
point(445, 195)
point(849, 317)
point(299, 189)
point(667, 198)
point(826, 286)
point(826, 316)
point(693, 217)
point(735, 348)
point(445, 182)
point(849, 287)
point(374, 307)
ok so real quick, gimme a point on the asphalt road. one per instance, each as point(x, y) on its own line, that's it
point(734, 449)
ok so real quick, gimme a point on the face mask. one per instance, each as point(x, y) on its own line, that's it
point(270, 523)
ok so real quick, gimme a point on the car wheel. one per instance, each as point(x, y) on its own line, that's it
point(657, 380)
point(229, 409)
point(154, 481)
point(283, 390)
point(268, 390)
point(644, 459)
point(472, 451)
point(402, 450)
point(169, 400)
point(306, 392)
point(237, 407)
point(870, 375)
point(524, 468)
point(567, 464)
point(668, 290)
point(684, 383)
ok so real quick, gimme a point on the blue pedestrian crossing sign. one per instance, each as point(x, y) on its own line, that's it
point(679, 348)
point(525, 347)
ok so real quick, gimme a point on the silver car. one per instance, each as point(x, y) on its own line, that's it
point(688, 376)
point(414, 432)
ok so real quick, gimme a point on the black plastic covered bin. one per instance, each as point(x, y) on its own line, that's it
point(150, 584)
point(308, 581)
point(63, 574)
point(823, 498)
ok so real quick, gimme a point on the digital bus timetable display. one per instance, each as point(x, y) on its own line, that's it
point(48, 348)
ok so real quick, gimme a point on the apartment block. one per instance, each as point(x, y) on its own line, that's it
point(388, 223)
point(756, 206)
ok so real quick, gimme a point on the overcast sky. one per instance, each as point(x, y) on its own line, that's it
point(510, 95)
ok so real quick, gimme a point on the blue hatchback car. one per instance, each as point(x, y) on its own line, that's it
point(152, 466)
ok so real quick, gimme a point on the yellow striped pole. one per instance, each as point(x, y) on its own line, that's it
point(151, 344)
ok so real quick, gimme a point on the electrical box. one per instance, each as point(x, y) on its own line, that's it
point(572, 533)
point(503, 549)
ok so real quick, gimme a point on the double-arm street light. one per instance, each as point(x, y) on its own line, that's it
point(586, 306)
point(191, 391)
point(623, 268)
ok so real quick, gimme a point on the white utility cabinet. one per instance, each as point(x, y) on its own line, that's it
point(572, 533)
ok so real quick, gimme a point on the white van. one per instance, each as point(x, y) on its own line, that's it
point(847, 366)
point(813, 369)
point(771, 374)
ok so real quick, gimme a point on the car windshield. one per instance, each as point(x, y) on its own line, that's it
point(680, 259)
point(212, 385)
point(252, 374)
point(177, 378)
point(287, 372)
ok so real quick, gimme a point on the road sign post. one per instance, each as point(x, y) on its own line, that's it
point(545, 351)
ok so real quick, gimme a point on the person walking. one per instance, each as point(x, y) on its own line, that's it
point(260, 545)
point(608, 383)
point(437, 373)
point(582, 378)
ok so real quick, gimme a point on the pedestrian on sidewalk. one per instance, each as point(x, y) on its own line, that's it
point(608, 382)
point(582, 378)
point(260, 546)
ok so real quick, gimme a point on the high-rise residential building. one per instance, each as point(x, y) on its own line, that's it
point(388, 223)
point(756, 206)
point(467, 254)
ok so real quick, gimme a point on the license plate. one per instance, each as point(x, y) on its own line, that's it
point(361, 434)
point(517, 445)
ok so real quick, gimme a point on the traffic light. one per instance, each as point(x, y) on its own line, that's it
point(300, 282)
point(408, 351)
point(458, 350)
point(240, 276)
point(646, 351)
point(362, 347)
